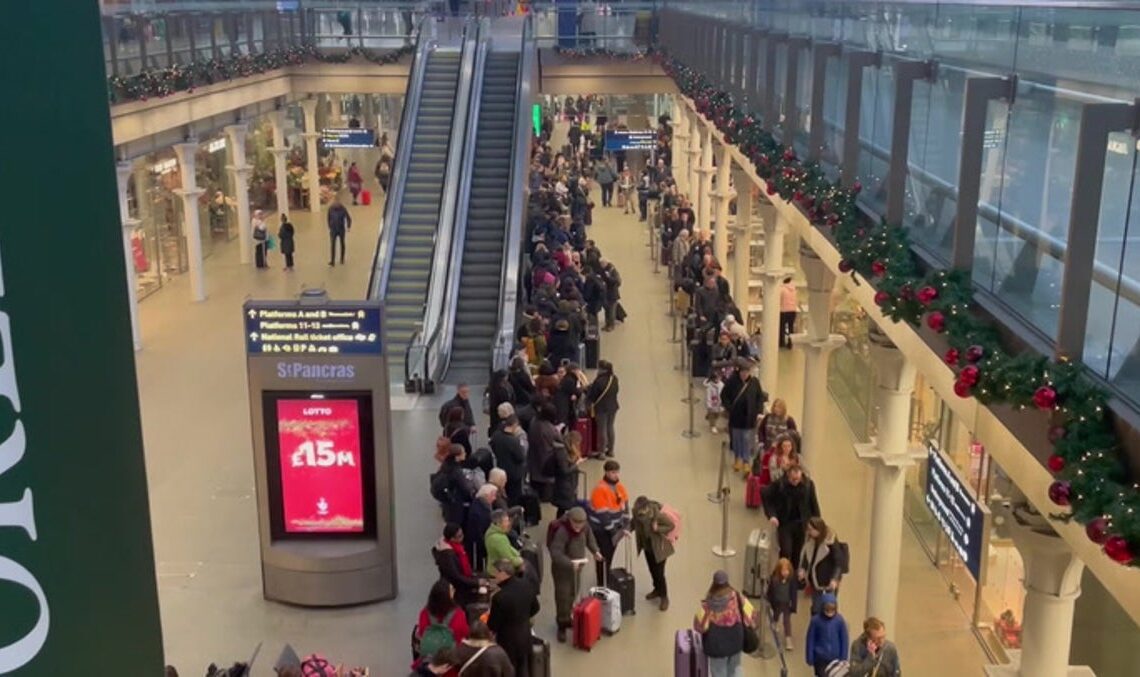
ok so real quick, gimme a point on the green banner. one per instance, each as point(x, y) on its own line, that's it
point(77, 579)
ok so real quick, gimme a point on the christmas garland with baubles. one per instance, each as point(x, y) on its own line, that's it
point(154, 83)
point(1090, 477)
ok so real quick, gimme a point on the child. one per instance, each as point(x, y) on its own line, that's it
point(713, 405)
point(827, 640)
point(782, 593)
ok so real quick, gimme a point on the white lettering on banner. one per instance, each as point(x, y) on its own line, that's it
point(316, 371)
point(20, 514)
point(320, 454)
point(317, 411)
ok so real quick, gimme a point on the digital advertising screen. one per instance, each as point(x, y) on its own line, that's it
point(320, 462)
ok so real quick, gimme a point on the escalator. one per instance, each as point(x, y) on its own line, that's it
point(477, 309)
point(410, 258)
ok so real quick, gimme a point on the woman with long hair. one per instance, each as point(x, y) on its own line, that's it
point(724, 619)
point(442, 624)
point(823, 561)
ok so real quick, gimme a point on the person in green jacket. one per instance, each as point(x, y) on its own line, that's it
point(497, 544)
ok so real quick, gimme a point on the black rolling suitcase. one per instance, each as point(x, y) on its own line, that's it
point(539, 657)
point(621, 580)
point(593, 347)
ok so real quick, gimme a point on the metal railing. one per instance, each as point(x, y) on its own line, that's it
point(510, 284)
point(443, 295)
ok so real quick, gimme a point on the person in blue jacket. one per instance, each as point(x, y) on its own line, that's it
point(827, 639)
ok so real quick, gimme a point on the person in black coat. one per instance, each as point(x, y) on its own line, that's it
point(522, 385)
point(789, 503)
point(743, 399)
point(541, 439)
point(561, 345)
point(462, 400)
point(446, 555)
point(566, 397)
point(563, 468)
point(498, 392)
point(512, 609)
point(602, 405)
point(287, 235)
point(450, 487)
point(476, 525)
point(612, 279)
point(510, 454)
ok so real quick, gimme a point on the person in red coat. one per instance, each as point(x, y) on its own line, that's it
point(440, 605)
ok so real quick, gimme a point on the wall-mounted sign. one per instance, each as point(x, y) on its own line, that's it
point(348, 137)
point(216, 145)
point(961, 516)
point(631, 140)
point(289, 328)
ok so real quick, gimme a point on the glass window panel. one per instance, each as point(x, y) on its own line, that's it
point(935, 144)
point(803, 101)
point(989, 194)
point(834, 107)
point(778, 90)
point(875, 135)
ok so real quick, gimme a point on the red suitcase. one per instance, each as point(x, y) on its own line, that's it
point(585, 427)
point(752, 492)
point(365, 197)
point(586, 623)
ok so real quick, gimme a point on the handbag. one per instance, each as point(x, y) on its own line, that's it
point(751, 637)
point(271, 243)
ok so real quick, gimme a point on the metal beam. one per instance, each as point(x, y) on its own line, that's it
point(771, 109)
point(821, 52)
point(856, 62)
point(979, 93)
point(906, 72)
point(757, 97)
point(1098, 120)
point(791, 88)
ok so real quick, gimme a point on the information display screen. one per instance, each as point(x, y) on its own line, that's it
point(961, 517)
point(319, 449)
point(631, 140)
point(348, 137)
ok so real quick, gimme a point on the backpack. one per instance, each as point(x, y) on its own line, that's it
point(487, 400)
point(316, 665)
point(676, 518)
point(437, 636)
point(552, 530)
point(842, 556)
point(438, 487)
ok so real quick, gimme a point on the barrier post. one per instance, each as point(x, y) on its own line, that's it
point(691, 433)
point(718, 495)
point(723, 550)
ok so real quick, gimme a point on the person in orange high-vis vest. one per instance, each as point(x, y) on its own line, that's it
point(609, 514)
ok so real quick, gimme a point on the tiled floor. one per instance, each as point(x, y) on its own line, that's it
point(196, 425)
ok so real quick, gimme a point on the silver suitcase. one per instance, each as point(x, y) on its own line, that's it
point(611, 609)
point(756, 562)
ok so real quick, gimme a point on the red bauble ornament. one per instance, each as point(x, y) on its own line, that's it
point(881, 298)
point(961, 389)
point(951, 357)
point(936, 321)
point(906, 292)
point(789, 155)
point(969, 375)
point(1045, 397)
point(1056, 433)
point(861, 233)
point(825, 206)
point(798, 195)
point(975, 353)
point(1097, 530)
point(856, 187)
point(1059, 492)
point(1118, 550)
point(927, 294)
point(832, 219)
point(808, 201)
point(771, 189)
point(878, 268)
point(764, 159)
point(1056, 463)
point(846, 265)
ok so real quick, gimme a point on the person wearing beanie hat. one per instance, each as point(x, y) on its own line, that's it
point(571, 544)
point(721, 620)
point(743, 400)
point(827, 639)
point(609, 514)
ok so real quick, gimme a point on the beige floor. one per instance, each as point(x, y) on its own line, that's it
point(196, 426)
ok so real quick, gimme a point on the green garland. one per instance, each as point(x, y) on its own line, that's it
point(1091, 477)
point(594, 52)
point(161, 82)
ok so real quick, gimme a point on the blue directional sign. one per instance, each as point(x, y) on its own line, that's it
point(349, 137)
point(645, 139)
point(961, 516)
point(293, 328)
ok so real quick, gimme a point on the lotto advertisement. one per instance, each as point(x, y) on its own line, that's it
point(321, 482)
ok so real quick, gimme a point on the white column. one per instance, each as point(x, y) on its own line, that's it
point(705, 172)
point(311, 135)
point(889, 456)
point(742, 250)
point(774, 273)
point(191, 225)
point(1052, 584)
point(123, 172)
point(723, 196)
point(680, 154)
point(693, 164)
point(817, 344)
point(241, 170)
point(280, 155)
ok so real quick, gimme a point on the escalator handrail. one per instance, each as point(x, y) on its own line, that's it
point(438, 351)
point(517, 207)
point(394, 200)
point(448, 247)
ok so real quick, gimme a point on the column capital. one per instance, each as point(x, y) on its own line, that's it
point(189, 193)
point(240, 171)
point(236, 128)
point(871, 454)
point(124, 168)
point(131, 223)
point(893, 372)
point(280, 151)
point(309, 106)
point(693, 150)
point(822, 348)
point(1052, 568)
point(819, 277)
point(311, 135)
point(777, 274)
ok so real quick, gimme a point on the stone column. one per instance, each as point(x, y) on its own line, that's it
point(774, 274)
point(742, 250)
point(123, 172)
point(1052, 584)
point(694, 162)
point(311, 135)
point(280, 156)
point(336, 110)
point(888, 454)
point(241, 171)
point(680, 154)
point(817, 343)
point(191, 223)
point(705, 172)
point(723, 196)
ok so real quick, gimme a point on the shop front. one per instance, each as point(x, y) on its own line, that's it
point(158, 246)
